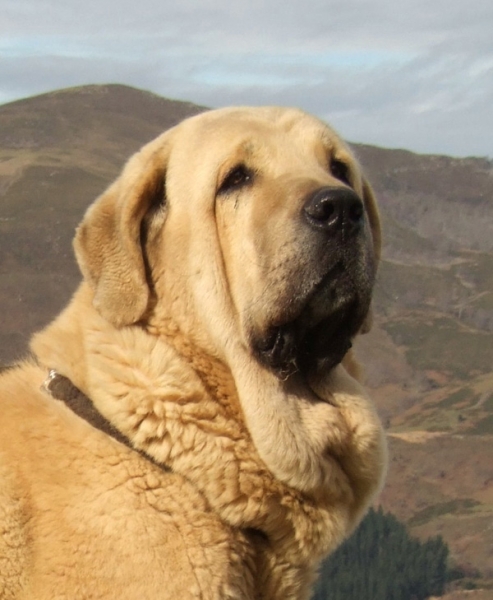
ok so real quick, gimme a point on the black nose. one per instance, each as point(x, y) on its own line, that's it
point(334, 209)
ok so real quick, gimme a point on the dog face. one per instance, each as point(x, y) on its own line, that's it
point(251, 226)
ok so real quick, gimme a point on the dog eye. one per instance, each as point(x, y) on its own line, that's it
point(340, 171)
point(238, 177)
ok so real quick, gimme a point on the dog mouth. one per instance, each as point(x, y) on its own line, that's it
point(286, 350)
point(320, 333)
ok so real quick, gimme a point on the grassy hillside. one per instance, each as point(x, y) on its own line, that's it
point(429, 358)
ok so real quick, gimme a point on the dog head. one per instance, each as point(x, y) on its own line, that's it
point(244, 225)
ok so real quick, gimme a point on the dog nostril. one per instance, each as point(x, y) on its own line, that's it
point(355, 212)
point(334, 208)
point(323, 210)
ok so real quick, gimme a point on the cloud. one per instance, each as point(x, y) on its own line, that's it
point(413, 74)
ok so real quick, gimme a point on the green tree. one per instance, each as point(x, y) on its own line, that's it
point(380, 561)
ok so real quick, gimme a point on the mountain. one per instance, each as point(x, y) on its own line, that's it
point(429, 357)
point(58, 152)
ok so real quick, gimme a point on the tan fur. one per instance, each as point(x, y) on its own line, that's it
point(267, 475)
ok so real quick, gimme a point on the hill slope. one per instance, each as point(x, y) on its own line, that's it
point(429, 358)
point(58, 152)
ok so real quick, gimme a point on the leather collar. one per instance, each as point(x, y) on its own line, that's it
point(61, 388)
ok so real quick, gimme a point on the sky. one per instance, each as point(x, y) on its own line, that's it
point(413, 74)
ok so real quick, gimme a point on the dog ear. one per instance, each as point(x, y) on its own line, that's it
point(374, 218)
point(376, 230)
point(109, 241)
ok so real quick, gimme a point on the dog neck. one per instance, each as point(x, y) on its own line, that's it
point(140, 381)
point(161, 392)
point(237, 433)
point(214, 374)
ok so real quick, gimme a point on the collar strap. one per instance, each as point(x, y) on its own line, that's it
point(61, 388)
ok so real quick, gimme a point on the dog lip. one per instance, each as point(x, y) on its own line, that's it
point(275, 349)
point(290, 348)
point(319, 333)
point(325, 344)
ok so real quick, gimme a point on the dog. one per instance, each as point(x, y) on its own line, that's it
point(225, 444)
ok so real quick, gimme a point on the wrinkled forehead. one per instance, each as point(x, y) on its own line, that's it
point(259, 132)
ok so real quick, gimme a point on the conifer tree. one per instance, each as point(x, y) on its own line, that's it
point(382, 562)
